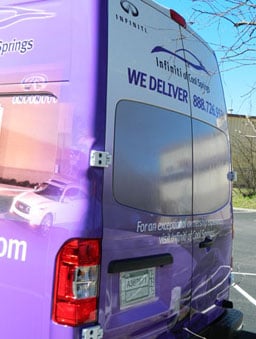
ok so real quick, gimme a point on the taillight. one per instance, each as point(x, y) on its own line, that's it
point(76, 282)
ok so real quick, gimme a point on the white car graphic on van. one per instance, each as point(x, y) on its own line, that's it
point(52, 202)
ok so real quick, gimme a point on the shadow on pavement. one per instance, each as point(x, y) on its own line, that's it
point(244, 335)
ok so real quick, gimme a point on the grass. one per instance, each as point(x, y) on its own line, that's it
point(240, 201)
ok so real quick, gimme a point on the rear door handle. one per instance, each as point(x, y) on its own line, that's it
point(207, 242)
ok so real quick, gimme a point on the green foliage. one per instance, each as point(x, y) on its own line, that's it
point(241, 199)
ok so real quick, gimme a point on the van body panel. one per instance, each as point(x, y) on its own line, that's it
point(122, 79)
point(207, 97)
point(211, 273)
point(131, 232)
point(46, 135)
point(185, 165)
point(31, 55)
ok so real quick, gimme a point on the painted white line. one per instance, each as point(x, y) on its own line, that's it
point(243, 210)
point(193, 333)
point(244, 273)
point(245, 294)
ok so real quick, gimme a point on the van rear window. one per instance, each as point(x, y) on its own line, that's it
point(211, 166)
point(155, 161)
point(152, 159)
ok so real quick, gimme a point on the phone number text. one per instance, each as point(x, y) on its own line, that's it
point(207, 106)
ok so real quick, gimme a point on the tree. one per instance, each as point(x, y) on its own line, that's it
point(241, 15)
point(235, 51)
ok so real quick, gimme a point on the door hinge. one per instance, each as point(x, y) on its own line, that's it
point(100, 159)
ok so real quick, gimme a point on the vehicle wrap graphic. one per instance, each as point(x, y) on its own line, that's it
point(12, 15)
point(16, 46)
point(179, 53)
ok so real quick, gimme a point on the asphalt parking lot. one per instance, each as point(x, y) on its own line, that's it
point(243, 292)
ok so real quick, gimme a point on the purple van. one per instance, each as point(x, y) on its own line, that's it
point(115, 174)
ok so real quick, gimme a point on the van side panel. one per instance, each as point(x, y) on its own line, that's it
point(124, 80)
point(50, 65)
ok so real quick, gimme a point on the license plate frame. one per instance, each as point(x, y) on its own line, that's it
point(136, 287)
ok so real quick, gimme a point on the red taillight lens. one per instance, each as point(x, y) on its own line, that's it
point(76, 282)
point(178, 18)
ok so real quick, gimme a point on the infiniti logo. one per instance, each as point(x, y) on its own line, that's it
point(34, 82)
point(129, 8)
point(132, 18)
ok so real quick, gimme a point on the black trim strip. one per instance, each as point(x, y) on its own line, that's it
point(124, 265)
point(26, 94)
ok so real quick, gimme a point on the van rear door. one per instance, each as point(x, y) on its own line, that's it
point(212, 219)
point(147, 237)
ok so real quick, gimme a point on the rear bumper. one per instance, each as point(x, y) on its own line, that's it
point(226, 326)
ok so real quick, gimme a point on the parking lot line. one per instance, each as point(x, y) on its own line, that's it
point(244, 273)
point(245, 294)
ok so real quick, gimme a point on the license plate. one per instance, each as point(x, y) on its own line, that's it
point(137, 286)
